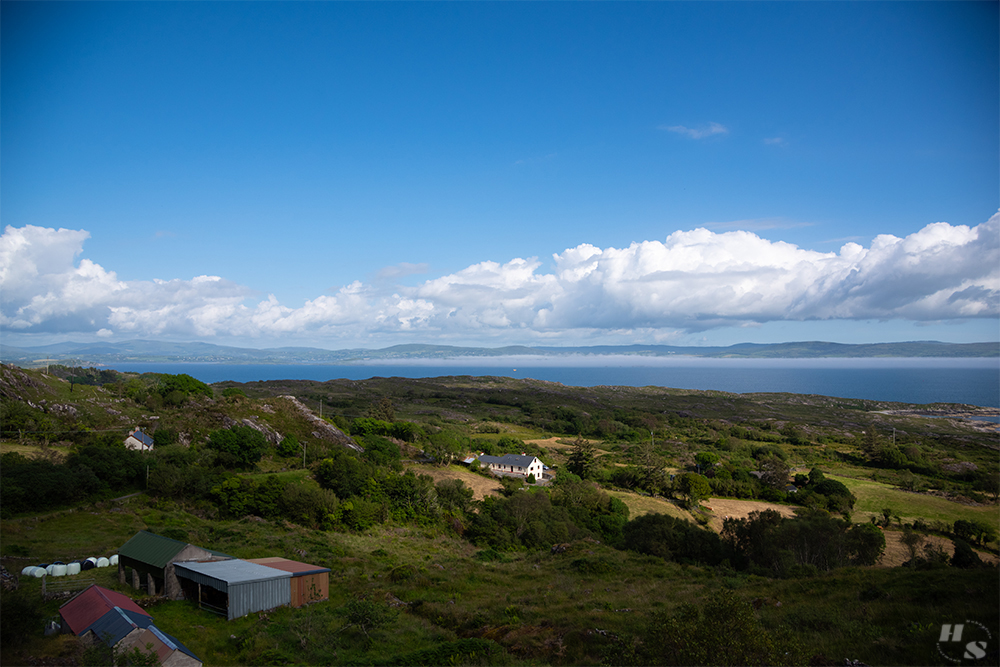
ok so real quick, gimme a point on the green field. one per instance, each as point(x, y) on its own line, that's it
point(873, 497)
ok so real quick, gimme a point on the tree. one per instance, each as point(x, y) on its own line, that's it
point(965, 557)
point(774, 471)
point(912, 541)
point(343, 474)
point(242, 444)
point(671, 538)
point(582, 458)
point(651, 465)
point(454, 495)
point(865, 543)
point(693, 487)
point(706, 460)
point(382, 409)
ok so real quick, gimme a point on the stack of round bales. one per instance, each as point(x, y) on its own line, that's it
point(60, 569)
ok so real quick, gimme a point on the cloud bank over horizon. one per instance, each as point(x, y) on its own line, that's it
point(692, 281)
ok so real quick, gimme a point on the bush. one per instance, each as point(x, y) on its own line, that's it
point(672, 539)
point(289, 447)
point(242, 446)
point(965, 557)
point(726, 631)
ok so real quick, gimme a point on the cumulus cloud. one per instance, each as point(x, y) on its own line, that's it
point(691, 281)
point(697, 132)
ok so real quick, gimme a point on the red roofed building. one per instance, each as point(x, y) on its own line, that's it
point(79, 613)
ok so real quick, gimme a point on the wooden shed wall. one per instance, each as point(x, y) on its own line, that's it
point(310, 588)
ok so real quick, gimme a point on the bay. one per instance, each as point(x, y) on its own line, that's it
point(924, 380)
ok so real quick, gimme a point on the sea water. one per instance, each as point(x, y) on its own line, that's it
point(921, 380)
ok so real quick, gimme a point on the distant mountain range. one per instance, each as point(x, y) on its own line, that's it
point(90, 354)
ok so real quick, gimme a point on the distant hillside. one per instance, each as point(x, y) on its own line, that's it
point(156, 351)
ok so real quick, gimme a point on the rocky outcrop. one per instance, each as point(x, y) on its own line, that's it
point(14, 383)
point(272, 436)
point(324, 429)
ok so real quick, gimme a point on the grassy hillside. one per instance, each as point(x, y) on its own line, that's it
point(464, 569)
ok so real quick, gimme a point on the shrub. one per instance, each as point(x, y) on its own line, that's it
point(289, 446)
point(242, 446)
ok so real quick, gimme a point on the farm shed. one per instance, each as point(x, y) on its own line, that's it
point(83, 611)
point(310, 583)
point(151, 558)
point(234, 587)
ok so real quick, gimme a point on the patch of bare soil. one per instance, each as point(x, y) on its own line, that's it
point(740, 509)
point(481, 486)
point(896, 553)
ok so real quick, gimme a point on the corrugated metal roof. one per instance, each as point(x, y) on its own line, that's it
point(229, 572)
point(93, 603)
point(250, 587)
point(115, 625)
point(295, 567)
point(155, 550)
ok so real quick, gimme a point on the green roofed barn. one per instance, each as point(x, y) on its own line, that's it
point(148, 559)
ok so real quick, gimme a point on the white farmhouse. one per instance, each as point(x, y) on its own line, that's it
point(139, 440)
point(513, 464)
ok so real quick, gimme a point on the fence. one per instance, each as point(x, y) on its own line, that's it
point(65, 587)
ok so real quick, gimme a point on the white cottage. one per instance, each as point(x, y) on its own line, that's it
point(139, 440)
point(513, 464)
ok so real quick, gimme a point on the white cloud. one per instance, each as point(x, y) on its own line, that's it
point(697, 132)
point(691, 281)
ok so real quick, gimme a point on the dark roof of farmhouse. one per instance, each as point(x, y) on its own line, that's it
point(518, 460)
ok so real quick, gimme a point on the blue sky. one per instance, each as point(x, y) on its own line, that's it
point(367, 174)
